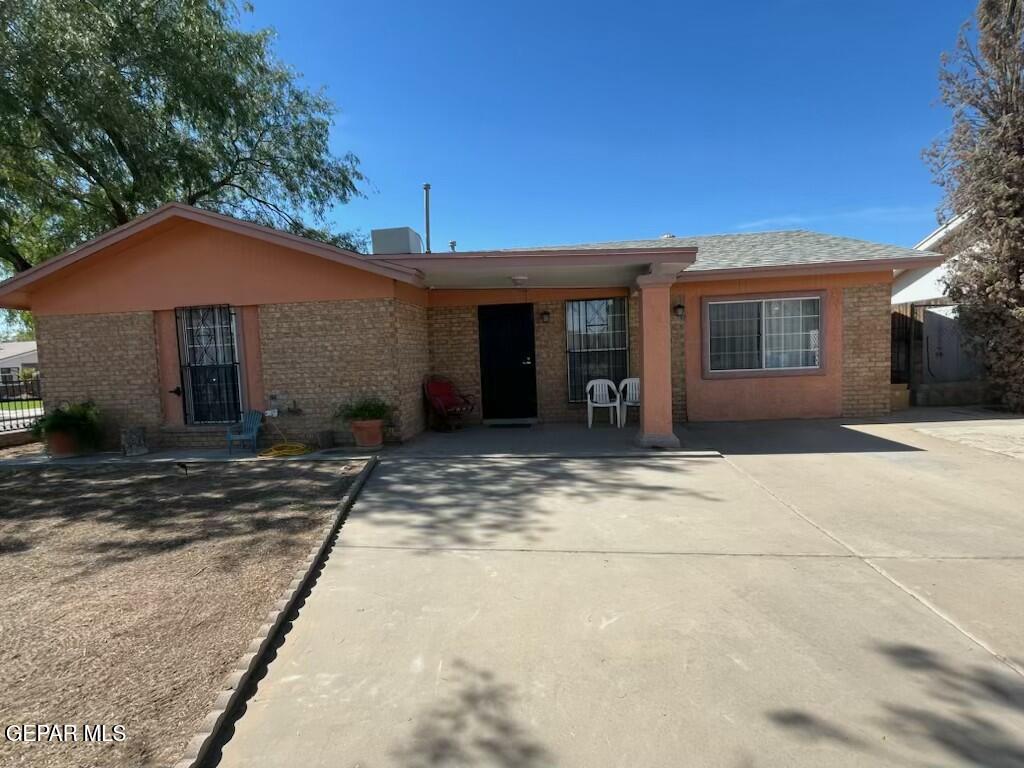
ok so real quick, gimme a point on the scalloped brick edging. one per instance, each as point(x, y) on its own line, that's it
point(248, 662)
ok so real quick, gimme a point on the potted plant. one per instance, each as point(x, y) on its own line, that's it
point(70, 429)
point(366, 418)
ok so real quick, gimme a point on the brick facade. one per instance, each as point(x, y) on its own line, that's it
point(412, 362)
point(110, 359)
point(319, 355)
point(552, 368)
point(454, 341)
point(678, 347)
point(866, 350)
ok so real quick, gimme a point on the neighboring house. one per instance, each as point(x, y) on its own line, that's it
point(181, 319)
point(928, 352)
point(16, 357)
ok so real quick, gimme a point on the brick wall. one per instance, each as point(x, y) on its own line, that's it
point(318, 355)
point(454, 343)
point(678, 347)
point(412, 363)
point(109, 359)
point(552, 367)
point(866, 350)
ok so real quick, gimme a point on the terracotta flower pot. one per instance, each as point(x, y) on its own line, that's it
point(369, 433)
point(61, 444)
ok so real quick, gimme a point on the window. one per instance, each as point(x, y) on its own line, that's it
point(8, 375)
point(596, 343)
point(764, 334)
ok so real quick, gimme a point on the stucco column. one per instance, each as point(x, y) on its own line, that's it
point(655, 363)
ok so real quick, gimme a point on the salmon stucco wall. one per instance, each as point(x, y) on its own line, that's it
point(812, 395)
point(192, 264)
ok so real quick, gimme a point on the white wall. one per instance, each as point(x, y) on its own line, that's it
point(919, 285)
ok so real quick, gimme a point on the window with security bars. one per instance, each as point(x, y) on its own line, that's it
point(211, 389)
point(596, 343)
point(766, 334)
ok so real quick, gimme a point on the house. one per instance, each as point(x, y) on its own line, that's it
point(929, 356)
point(16, 358)
point(180, 319)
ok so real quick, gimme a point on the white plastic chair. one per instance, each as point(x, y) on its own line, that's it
point(602, 393)
point(629, 394)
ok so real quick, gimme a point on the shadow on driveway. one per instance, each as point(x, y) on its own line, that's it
point(471, 503)
point(473, 725)
point(748, 438)
point(958, 728)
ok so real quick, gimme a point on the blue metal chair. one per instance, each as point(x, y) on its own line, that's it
point(246, 432)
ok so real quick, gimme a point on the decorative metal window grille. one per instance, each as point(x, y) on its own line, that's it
point(596, 343)
point(774, 334)
point(208, 352)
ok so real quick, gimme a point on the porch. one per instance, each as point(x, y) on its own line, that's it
point(562, 440)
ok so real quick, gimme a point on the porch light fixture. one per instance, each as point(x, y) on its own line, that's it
point(545, 316)
point(679, 310)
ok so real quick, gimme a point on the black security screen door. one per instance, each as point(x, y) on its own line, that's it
point(209, 364)
point(508, 386)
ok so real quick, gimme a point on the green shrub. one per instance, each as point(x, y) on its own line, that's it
point(81, 421)
point(365, 409)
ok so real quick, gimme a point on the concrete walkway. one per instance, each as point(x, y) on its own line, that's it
point(822, 595)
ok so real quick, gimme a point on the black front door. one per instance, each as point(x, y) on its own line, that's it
point(507, 383)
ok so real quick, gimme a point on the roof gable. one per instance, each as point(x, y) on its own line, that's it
point(13, 292)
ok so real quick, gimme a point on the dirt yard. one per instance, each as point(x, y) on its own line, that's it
point(128, 593)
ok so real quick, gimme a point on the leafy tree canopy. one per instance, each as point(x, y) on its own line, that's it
point(980, 164)
point(110, 108)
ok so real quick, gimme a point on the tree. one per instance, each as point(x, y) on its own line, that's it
point(980, 165)
point(16, 325)
point(110, 108)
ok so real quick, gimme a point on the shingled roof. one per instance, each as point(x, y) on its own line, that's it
point(788, 248)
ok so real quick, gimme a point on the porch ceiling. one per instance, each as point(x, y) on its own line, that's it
point(591, 269)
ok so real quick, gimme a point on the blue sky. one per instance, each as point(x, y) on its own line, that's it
point(557, 122)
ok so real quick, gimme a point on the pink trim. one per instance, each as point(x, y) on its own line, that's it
point(655, 365)
point(182, 211)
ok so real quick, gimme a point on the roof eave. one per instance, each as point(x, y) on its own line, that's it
point(552, 258)
point(796, 270)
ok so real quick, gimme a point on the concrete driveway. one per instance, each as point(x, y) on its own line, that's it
point(819, 595)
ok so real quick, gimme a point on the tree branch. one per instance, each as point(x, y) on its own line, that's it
point(61, 140)
point(9, 252)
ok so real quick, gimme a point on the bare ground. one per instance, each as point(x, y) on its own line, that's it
point(22, 451)
point(126, 593)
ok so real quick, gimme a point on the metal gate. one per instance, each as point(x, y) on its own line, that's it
point(208, 353)
point(903, 330)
